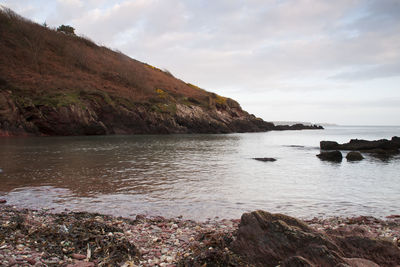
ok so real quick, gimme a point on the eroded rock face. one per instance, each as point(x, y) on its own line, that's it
point(335, 156)
point(100, 116)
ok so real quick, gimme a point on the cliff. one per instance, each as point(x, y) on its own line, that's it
point(55, 83)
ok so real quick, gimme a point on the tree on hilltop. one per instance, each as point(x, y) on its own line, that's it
point(66, 29)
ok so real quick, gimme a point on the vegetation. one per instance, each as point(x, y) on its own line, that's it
point(65, 29)
point(57, 70)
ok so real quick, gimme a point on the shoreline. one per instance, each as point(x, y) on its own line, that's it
point(42, 238)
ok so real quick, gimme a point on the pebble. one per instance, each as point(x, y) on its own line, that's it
point(78, 256)
point(162, 242)
point(31, 261)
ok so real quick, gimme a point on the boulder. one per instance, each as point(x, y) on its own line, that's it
point(328, 145)
point(335, 156)
point(354, 156)
point(265, 159)
point(266, 239)
point(396, 140)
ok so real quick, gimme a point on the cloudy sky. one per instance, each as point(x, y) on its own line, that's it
point(289, 60)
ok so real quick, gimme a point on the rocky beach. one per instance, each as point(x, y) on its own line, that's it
point(43, 238)
point(106, 160)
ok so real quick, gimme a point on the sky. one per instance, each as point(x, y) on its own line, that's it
point(289, 60)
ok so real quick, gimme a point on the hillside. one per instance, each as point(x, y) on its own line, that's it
point(53, 83)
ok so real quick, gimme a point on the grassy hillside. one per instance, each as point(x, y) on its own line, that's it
point(61, 67)
point(57, 83)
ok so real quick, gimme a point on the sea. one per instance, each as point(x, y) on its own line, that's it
point(200, 176)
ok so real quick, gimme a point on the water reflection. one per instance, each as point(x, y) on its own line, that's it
point(197, 176)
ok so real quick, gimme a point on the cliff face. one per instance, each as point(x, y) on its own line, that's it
point(52, 83)
point(101, 114)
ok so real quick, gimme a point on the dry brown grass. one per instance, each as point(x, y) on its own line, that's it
point(41, 60)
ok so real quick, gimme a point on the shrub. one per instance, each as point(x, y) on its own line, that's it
point(66, 29)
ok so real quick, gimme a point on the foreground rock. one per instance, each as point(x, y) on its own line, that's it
point(266, 239)
point(381, 148)
point(335, 156)
point(40, 238)
point(354, 156)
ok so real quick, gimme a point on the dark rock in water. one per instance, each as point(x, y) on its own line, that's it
point(363, 145)
point(331, 156)
point(265, 159)
point(3, 201)
point(356, 144)
point(354, 156)
point(382, 153)
point(396, 140)
point(266, 239)
point(329, 145)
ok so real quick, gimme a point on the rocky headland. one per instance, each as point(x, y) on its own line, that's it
point(259, 238)
point(56, 83)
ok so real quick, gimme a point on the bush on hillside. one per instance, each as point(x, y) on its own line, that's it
point(66, 29)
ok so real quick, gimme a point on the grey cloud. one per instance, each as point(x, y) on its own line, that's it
point(250, 46)
point(370, 72)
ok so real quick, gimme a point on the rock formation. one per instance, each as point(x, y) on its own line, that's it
point(331, 156)
point(380, 148)
point(266, 239)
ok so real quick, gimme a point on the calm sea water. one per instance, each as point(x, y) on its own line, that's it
point(199, 176)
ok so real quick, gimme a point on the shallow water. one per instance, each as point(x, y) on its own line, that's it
point(199, 176)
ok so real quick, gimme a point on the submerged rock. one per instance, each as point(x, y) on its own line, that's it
point(265, 159)
point(354, 156)
point(331, 156)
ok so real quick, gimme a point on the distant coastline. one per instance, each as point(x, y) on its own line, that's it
point(323, 124)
